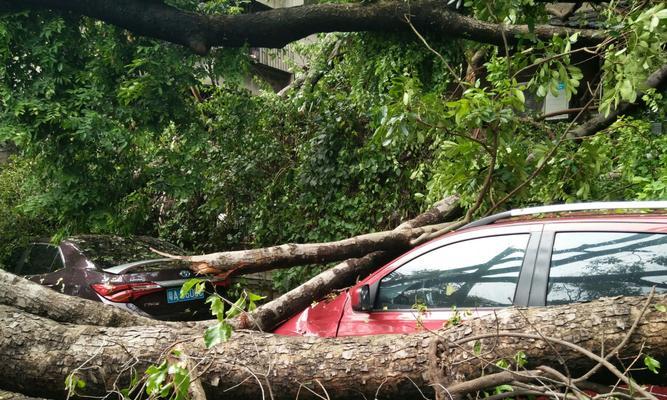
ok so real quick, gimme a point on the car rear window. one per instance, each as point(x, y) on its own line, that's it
point(109, 251)
point(589, 265)
point(40, 259)
point(479, 272)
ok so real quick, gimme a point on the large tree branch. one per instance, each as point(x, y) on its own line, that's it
point(289, 255)
point(278, 27)
point(38, 300)
point(657, 80)
point(268, 316)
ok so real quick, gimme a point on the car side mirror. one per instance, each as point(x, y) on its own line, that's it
point(362, 300)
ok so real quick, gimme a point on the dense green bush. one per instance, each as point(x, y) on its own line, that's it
point(18, 222)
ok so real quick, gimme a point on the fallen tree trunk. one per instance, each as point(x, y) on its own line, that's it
point(289, 255)
point(44, 353)
point(32, 298)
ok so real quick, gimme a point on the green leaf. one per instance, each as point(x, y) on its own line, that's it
point(477, 347)
point(652, 364)
point(627, 90)
point(189, 284)
point(73, 382)
point(217, 306)
point(254, 297)
point(541, 91)
point(236, 308)
point(155, 376)
point(661, 307)
point(450, 289)
point(503, 389)
point(218, 333)
point(520, 359)
point(181, 383)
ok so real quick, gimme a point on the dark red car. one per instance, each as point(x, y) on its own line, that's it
point(528, 257)
point(121, 271)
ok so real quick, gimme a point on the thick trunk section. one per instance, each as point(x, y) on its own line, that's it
point(36, 299)
point(42, 352)
point(278, 27)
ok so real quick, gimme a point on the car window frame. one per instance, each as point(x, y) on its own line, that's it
point(540, 281)
point(521, 295)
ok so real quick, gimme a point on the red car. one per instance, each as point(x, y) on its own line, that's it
point(121, 271)
point(527, 257)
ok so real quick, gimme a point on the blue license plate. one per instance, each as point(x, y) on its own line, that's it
point(174, 295)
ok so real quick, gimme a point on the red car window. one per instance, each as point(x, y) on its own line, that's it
point(589, 265)
point(479, 272)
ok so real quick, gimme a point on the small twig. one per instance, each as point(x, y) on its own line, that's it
point(238, 384)
point(380, 387)
point(572, 346)
point(445, 390)
point(310, 390)
point(416, 387)
point(627, 369)
point(323, 389)
point(440, 56)
point(449, 132)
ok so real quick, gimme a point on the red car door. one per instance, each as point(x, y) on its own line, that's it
point(462, 275)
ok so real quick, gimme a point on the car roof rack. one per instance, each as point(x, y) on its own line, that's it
point(556, 208)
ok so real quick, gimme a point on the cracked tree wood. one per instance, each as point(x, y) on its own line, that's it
point(43, 352)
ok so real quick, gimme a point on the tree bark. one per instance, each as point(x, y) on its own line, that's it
point(292, 254)
point(43, 352)
point(278, 27)
point(5, 395)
